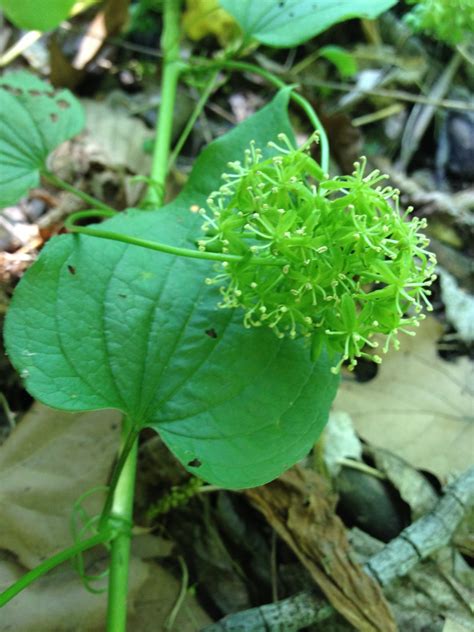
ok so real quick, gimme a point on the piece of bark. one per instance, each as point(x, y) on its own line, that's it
point(287, 615)
point(300, 507)
point(429, 533)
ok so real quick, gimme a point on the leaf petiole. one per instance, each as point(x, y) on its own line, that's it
point(61, 184)
point(70, 224)
point(229, 64)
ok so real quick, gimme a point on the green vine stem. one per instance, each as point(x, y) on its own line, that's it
point(61, 184)
point(100, 538)
point(121, 511)
point(172, 67)
point(70, 224)
point(122, 504)
point(204, 97)
point(243, 66)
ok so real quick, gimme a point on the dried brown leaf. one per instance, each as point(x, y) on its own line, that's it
point(418, 406)
point(413, 487)
point(108, 22)
point(300, 507)
point(48, 461)
point(59, 601)
point(156, 600)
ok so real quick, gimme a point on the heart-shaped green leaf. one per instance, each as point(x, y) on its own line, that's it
point(37, 15)
point(102, 324)
point(35, 120)
point(287, 23)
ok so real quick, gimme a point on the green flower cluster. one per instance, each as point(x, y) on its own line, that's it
point(449, 20)
point(347, 264)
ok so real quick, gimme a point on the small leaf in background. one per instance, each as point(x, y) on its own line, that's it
point(206, 17)
point(35, 120)
point(344, 61)
point(34, 15)
point(287, 23)
point(236, 406)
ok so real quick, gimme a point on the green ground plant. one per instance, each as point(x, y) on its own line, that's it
point(448, 20)
point(127, 314)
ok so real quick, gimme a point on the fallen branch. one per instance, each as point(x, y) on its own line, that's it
point(426, 535)
point(397, 558)
point(290, 615)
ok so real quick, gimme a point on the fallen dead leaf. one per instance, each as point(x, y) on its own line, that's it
point(47, 462)
point(426, 595)
point(155, 602)
point(339, 441)
point(13, 265)
point(418, 406)
point(59, 601)
point(115, 138)
point(300, 507)
point(107, 22)
point(114, 141)
point(413, 487)
point(459, 305)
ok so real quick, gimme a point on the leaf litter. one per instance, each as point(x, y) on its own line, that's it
point(47, 463)
point(419, 406)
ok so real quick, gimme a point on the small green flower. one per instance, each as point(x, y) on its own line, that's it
point(348, 265)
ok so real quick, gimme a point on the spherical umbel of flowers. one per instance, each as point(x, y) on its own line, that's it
point(343, 263)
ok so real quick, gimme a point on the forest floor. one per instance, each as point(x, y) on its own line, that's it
point(312, 547)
